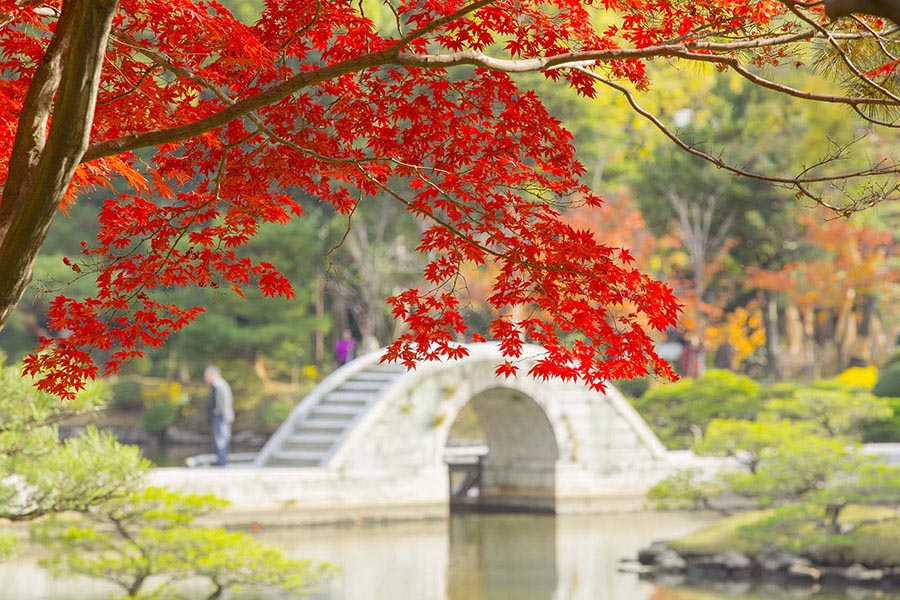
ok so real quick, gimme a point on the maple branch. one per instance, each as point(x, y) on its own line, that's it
point(799, 182)
point(238, 109)
point(828, 35)
point(270, 96)
point(852, 101)
point(43, 161)
point(545, 63)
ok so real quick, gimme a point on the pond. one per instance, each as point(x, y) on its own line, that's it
point(469, 557)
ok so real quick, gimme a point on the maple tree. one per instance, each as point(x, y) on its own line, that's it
point(207, 127)
point(858, 260)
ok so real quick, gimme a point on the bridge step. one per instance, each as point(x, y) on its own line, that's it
point(307, 457)
point(382, 377)
point(333, 412)
point(322, 426)
point(318, 447)
point(386, 368)
point(275, 461)
point(356, 384)
point(313, 438)
point(353, 397)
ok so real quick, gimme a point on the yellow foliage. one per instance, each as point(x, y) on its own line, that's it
point(166, 392)
point(743, 329)
point(310, 372)
point(864, 377)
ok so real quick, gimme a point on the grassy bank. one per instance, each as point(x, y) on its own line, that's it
point(872, 538)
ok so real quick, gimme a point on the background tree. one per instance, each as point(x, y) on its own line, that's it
point(151, 533)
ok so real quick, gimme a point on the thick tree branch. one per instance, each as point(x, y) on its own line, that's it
point(42, 163)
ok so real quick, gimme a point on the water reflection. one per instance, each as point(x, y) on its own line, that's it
point(492, 554)
point(488, 557)
point(469, 557)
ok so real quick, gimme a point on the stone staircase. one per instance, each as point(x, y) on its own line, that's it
point(317, 426)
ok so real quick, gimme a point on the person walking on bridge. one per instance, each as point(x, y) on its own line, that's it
point(221, 413)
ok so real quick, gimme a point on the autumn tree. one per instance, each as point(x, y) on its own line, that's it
point(838, 319)
point(209, 127)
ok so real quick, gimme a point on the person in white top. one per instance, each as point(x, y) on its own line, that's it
point(221, 413)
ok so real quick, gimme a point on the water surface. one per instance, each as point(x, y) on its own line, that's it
point(469, 557)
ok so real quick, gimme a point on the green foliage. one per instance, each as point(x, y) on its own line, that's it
point(74, 475)
point(127, 394)
point(685, 490)
point(794, 468)
point(885, 430)
point(799, 460)
point(837, 410)
point(721, 535)
point(888, 387)
point(158, 418)
point(893, 359)
point(39, 474)
point(273, 412)
point(633, 388)
point(888, 384)
point(872, 535)
point(798, 528)
point(9, 545)
point(152, 532)
point(164, 403)
point(679, 412)
point(782, 389)
point(748, 441)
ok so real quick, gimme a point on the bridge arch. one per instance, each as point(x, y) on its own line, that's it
point(519, 469)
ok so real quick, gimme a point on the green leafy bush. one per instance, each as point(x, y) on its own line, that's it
point(884, 430)
point(129, 539)
point(633, 388)
point(127, 394)
point(835, 408)
point(158, 418)
point(273, 412)
point(888, 387)
point(679, 412)
point(893, 359)
point(888, 384)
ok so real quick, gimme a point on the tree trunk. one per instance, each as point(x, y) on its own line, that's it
point(774, 368)
point(43, 161)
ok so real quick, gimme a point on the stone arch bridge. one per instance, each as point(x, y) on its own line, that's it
point(371, 439)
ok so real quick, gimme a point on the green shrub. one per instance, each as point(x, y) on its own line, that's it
point(273, 412)
point(680, 411)
point(158, 418)
point(780, 390)
point(633, 388)
point(888, 384)
point(127, 394)
point(885, 430)
point(893, 359)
